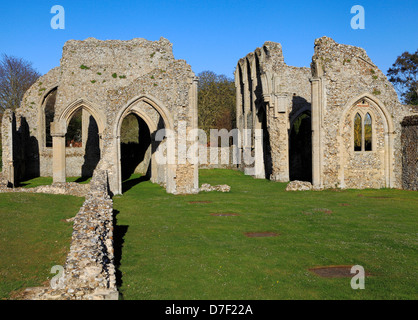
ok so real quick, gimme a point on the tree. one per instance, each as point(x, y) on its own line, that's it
point(16, 76)
point(216, 102)
point(404, 75)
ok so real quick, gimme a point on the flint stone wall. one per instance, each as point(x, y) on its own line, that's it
point(346, 74)
point(109, 79)
point(410, 153)
point(270, 96)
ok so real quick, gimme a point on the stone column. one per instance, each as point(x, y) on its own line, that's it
point(58, 131)
point(58, 158)
point(316, 132)
point(195, 125)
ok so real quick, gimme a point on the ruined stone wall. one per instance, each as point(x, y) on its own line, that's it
point(30, 118)
point(346, 80)
point(108, 80)
point(270, 95)
point(219, 158)
point(409, 139)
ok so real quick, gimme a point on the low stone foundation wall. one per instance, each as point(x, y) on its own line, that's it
point(219, 158)
point(409, 139)
point(69, 188)
point(89, 272)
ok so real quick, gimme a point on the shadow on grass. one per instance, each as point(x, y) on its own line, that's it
point(82, 179)
point(128, 184)
point(119, 233)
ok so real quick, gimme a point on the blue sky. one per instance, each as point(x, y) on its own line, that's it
point(211, 35)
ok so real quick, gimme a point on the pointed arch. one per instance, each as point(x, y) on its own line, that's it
point(164, 113)
point(388, 127)
point(92, 108)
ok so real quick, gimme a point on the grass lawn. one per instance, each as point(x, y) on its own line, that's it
point(43, 181)
point(33, 237)
point(171, 247)
point(174, 249)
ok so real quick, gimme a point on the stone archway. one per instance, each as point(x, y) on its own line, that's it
point(300, 147)
point(59, 128)
point(156, 117)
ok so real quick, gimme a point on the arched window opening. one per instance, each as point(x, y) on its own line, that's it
point(135, 147)
point(367, 132)
point(73, 138)
point(49, 113)
point(357, 132)
point(300, 148)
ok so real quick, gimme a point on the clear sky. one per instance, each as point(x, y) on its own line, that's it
point(211, 35)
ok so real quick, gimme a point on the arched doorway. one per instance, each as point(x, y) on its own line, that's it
point(135, 147)
point(300, 148)
point(82, 145)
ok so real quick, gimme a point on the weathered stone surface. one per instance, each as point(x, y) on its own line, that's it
point(89, 271)
point(342, 82)
point(106, 80)
point(410, 153)
point(299, 186)
point(222, 187)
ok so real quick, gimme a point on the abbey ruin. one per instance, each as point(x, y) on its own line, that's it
point(102, 83)
point(338, 124)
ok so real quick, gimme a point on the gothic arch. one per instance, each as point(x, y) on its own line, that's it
point(388, 127)
point(164, 113)
point(41, 133)
point(66, 115)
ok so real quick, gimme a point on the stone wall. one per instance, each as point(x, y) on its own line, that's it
point(270, 96)
point(346, 82)
point(107, 80)
point(341, 83)
point(410, 153)
point(219, 158)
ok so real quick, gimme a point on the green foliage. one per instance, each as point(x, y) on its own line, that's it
point(84, 67)
point(404, 75)
point(114, 75)
point(216, 102)
point(129, 130)
point(74, 130)
point(357, 132)
point(376, 92)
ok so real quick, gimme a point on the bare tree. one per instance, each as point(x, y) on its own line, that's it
point(16, 76)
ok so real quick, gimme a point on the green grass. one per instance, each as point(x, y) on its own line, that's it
point(33, 237)
point(172, 249)
point(43, 181)
point(168, 248)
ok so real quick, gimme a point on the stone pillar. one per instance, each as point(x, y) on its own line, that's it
point(58, 131)
point(7, 128)
point(195, 124)
point(58, 158)
point(316, 86)
point(85, 123)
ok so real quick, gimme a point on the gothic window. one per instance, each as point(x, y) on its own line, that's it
point(49, 112)
point(73, 138)
point(362, 132)
point(357, 132)
point(368, 132)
